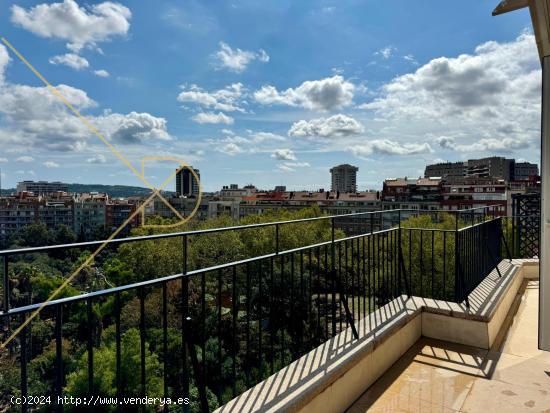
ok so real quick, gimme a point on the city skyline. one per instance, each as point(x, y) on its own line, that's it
point(247, 100)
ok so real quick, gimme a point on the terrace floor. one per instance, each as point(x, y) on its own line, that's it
point(437, 376)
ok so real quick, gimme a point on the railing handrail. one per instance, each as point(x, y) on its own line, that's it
point(167, 278)
point(75, 245)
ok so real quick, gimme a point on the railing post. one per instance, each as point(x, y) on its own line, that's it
point(198, 371)
point(6, 285)
point(58, 356)
point(184, 321)
point(399, 254)
point(23, 362)
point(457, 259)
point(333, 273)
point(277, 238)
point(502, 222)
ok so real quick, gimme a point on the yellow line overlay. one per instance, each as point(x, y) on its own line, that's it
point(155, 193)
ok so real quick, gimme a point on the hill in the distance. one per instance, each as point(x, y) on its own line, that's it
point(114, 191)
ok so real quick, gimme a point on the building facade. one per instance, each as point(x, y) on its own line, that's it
point(344, 178)
point(525, 170)
point(186, 183)
point(449, 171)
point(477, 192)
point(90, 213)
point(42, 187)
point(495, 167)
point(117, 212)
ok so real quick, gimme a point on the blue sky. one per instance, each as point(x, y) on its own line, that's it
point(267, 93)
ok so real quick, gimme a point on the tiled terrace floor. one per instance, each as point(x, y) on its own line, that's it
point(436, 376)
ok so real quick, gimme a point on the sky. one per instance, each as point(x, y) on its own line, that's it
point(268, 93)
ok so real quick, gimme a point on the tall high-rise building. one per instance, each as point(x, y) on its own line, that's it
point(186, 183)
point(344, 178)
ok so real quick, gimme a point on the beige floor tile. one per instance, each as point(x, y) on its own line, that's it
point(522, 337)
point(402, 403)
point(512, 369)
point(423, 374)
point(493, 396)
point(440, 376)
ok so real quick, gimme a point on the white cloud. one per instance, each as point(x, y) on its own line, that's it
point(284, 155)
point(101, 73)
point(51, 164)
point(487, 101)
point(98, 158)
point(231, 149)
point(252, 142)
point(22, 172)
point(258, 137)
point(3, 160)
point(291, 166)
point(324, 94)
point(34, 117)
point(386, 52)
point(334, 126)
point(506, 145)
point(226, 99)
point(70, 59)
point(79, 26)
point(20, 103)
point(212, 117)
point(388, 147)
point(134, 127)
point(237, 60)
point(253, 138)
point(4, 60)
point(410, 58)
point(25, 159)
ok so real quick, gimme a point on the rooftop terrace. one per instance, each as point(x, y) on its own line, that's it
point(439, 376)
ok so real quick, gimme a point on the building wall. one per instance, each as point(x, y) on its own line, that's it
point(525, 170)
point(186, 183)
point(450, 171)
point(41, 187)
point(89, 216)
point(344, 178)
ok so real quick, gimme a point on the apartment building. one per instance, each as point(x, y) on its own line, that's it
point(491, 167)
point(183, 205)
point(42, 187)
point(344, 178)
point(449, 171)
point(477, 192)
point(525, 170)
point(186, 182)
point(90, 211)
point(117, 212)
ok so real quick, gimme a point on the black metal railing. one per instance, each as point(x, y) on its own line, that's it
point(208, 334)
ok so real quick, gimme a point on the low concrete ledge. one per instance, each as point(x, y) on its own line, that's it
point(332, 376)
point(309, 380)
point(479, 324)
